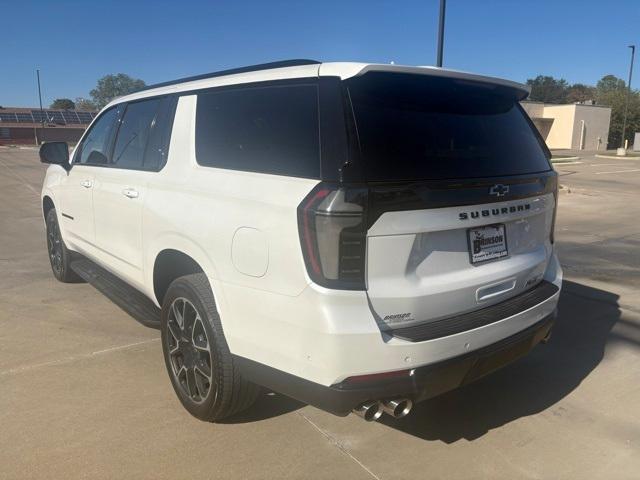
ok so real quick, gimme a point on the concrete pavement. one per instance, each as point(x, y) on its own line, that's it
point(84, 392)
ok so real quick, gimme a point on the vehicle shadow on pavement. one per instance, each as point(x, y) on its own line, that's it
point(530, 385)
point(268, 404)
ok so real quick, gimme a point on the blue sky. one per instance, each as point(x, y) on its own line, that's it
point(75, 43)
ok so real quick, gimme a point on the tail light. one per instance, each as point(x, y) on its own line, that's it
point(553, 218)
point(332, 227)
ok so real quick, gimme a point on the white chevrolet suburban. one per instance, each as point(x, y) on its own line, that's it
point(359, 237)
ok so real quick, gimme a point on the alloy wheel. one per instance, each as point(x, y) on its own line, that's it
point(189, 350)
point(55, 246)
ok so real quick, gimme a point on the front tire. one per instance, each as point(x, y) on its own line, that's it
point(196, 354)
point(59, 254)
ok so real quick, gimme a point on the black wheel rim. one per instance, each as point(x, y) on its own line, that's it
point(189, 350)
point(54, 243)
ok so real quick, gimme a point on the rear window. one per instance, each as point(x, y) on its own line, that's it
point(417, 127)
point(271, 129)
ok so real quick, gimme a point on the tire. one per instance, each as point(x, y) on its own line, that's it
point(207, 383)
point(60, 256)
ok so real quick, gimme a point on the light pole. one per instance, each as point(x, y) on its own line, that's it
point(626, 103)
point(41, 113)
point(443, 5)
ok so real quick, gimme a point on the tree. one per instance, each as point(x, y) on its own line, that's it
point(578, 92)
point(86, 105)
point(610, 83)
point(112, 86)
point(612, 91)
point(63, 104)
point(548, 89)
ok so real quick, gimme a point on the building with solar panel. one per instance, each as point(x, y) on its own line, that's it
point(30, 126)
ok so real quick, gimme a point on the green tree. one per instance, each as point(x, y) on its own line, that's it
point(548, 89)
point(112, 86)
point(86, 105)
point(578, 92)
point(612, 91)
point(63, 104)
point(610, 83)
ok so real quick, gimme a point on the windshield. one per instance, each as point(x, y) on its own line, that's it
point(423, 127)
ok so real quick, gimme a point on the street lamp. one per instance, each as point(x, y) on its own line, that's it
point(443, 4)
point(41, 113)
point(626, 103)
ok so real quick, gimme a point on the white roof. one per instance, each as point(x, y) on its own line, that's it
point(343, 70)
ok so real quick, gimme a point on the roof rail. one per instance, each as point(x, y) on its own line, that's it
point(232, 71)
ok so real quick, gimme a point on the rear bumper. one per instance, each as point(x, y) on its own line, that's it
point(326, 336)
point(420, 384)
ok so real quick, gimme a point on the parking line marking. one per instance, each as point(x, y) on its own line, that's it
point(618, 171)
point(73, 358)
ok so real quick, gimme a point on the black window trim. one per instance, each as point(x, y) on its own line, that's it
point(171, 111)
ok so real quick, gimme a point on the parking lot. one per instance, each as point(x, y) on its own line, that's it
point(84, 392)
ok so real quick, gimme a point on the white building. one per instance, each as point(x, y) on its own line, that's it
point(574, 126)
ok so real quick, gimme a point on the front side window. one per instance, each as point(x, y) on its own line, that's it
point(94, 148)
point(272, 129)
point(135, 126)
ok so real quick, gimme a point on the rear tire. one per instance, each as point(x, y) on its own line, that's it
point(59, 255)
point(196, 353)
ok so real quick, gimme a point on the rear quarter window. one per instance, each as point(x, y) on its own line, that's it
point(266, 129)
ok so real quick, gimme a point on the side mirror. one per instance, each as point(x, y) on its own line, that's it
point(55, 153)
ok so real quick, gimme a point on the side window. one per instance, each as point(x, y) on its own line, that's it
point(94, 148)
point(133, 134)
point(155, 155)
point(270, 129)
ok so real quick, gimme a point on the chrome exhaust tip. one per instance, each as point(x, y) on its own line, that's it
point(398, 407)
point(369, 411)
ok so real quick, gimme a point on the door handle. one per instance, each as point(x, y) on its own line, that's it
point(130, 193)
point(87, 184)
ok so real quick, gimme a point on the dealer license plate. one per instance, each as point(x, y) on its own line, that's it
point(487, 243)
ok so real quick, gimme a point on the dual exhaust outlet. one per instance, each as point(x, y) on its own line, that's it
point(373, 410)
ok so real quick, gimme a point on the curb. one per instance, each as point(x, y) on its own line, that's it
point(564, 159)
point(615, 157)
point(19, 147)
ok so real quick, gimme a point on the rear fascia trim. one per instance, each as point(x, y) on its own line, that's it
point(426, 382)
point(479, 318)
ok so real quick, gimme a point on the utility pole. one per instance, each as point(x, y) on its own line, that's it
point(626, 103)
point(443, 5)
point(40, 97)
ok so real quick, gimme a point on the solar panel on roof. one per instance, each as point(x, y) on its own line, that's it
point(24, 117)
point(55, 116)
point(38, 116)
point(8, 117)
point(85, 117)
point(70, 117)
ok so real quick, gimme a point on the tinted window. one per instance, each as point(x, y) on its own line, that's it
point(155, 155)
point(417, 127)
point(94, 148)
point(133, 133)
point(260, 129)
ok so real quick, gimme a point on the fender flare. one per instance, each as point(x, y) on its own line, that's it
point(175, 241)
